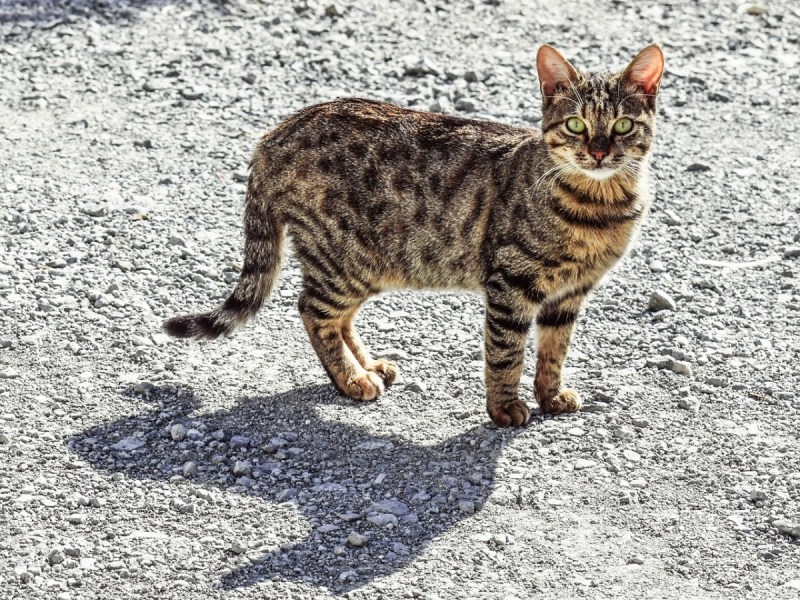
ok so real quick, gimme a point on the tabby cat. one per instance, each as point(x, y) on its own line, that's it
point(377, 197)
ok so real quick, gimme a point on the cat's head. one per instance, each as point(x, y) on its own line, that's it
point(599, 125)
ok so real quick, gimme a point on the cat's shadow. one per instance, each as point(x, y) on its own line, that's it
point(342, 478)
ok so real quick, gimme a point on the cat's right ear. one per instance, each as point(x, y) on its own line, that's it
point(554, 70)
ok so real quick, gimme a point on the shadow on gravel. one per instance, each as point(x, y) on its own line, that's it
point(342, 478)
point(50, 14)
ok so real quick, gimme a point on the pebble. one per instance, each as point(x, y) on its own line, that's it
point(178, 432)
point(466, 105)
point(189, 469)
point(791, 252)
point(583, 463)
point(356, 539)
point(392, 505)
point(680, 367)
point(416, 386)
point(241, 467)
point(698, 168)
point(383, 519)
point(660, 300)
point(239, 441)
point(631, 455)
point(9, 374)
point(689, 403)
point(636, 560)
point(128, 444)
point(238, 547)
point(56, 556)
point(76, 519)
point(466, 507)
point(787, 527)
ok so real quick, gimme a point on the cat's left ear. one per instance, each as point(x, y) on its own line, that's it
point(646, 69)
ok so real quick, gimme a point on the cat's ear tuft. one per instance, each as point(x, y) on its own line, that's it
point(554, 70)
point(646, 69)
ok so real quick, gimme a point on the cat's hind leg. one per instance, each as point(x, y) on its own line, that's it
point(325, 324)
point(385, 369)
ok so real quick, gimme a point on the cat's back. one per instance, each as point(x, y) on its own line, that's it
point(361, 122)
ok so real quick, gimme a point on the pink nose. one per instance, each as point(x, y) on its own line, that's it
point(599, 154)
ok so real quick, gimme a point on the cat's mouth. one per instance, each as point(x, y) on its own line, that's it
point(598, 173)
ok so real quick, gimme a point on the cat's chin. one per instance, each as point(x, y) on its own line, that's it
point(598, 174)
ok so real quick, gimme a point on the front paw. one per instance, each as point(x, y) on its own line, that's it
point(385, 369)
point(566, 401)
point(507, 414)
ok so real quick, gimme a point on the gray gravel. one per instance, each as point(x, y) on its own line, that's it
point(134, 465)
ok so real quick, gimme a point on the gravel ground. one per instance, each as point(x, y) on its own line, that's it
point(133, 465)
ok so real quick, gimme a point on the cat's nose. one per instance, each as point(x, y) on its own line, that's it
point(599, 147)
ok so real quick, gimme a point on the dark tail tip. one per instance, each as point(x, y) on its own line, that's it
point(205, 326)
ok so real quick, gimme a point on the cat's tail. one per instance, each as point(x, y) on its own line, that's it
point(263, 253)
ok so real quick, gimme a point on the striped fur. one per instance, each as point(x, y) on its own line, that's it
point(375, 197)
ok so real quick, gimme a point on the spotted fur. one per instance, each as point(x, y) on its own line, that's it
point(377, 197)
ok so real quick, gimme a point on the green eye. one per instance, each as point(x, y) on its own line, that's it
point(623, 126)
point(575, 125)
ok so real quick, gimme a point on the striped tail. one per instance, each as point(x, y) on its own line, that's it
point(263, 253)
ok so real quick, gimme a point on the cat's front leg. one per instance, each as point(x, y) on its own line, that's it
point(508, 320)
point(554, 325)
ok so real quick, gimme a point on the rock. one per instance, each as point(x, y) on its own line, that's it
point(94, 210)
point(178, 432)
point(334, 10)
point(787, 527)
point(753, 9)
point(641, 423)
point(382, 519)
point(193, 93)
point(660, 301)
point(583, 463)
point(189, 469)
point(357, 540)
point(238, 547)
point(416, 386)
point(466, 105)
point(636, 560)
point(128, 444)
point(76, 519)
point(466, 506)
point(631, 455)
point(56, 556)
point(394, 354)
point(9, 374)
point(241, 467)
point(718, 97)
point(681, 368)
point(660, 362)
point(698, 168)
point(689, 403)
point(239, 441)
point(241, 176)
point(791, 252)
point(392, 505)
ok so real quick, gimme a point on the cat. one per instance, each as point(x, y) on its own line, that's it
point(377, 197)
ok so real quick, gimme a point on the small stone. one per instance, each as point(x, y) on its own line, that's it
point(383, 519)
point(466, 105)
point(467, 507)
point(189, 469)
point(392, 505)
point(698, 168)
point(753, 9)
point(657, 266)
point(94, 210)
point(238, 547)
point(193, 93)
point(4, 439)
point(631, 456)
point(689, 403)
point(660, 362)
point(241, 467)
point(718, 97)
point(241, 176)
point(9, 374)
point(788, 527)
point(356, 539)
point(639, 483)
point(239, 441)
point(416, 386)
point(128, 444)
point(334, 10)
point(583, 463)
point(178, 432)
point(636, 560)
point(791, 252)
point(575, 431)
point(394, 354)
point(56, 556)
point(660, 301)
point(76, 519)
point(682, 368)
point(641, 423)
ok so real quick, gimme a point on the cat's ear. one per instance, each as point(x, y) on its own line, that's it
point(646, 69)
point(554, 70)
